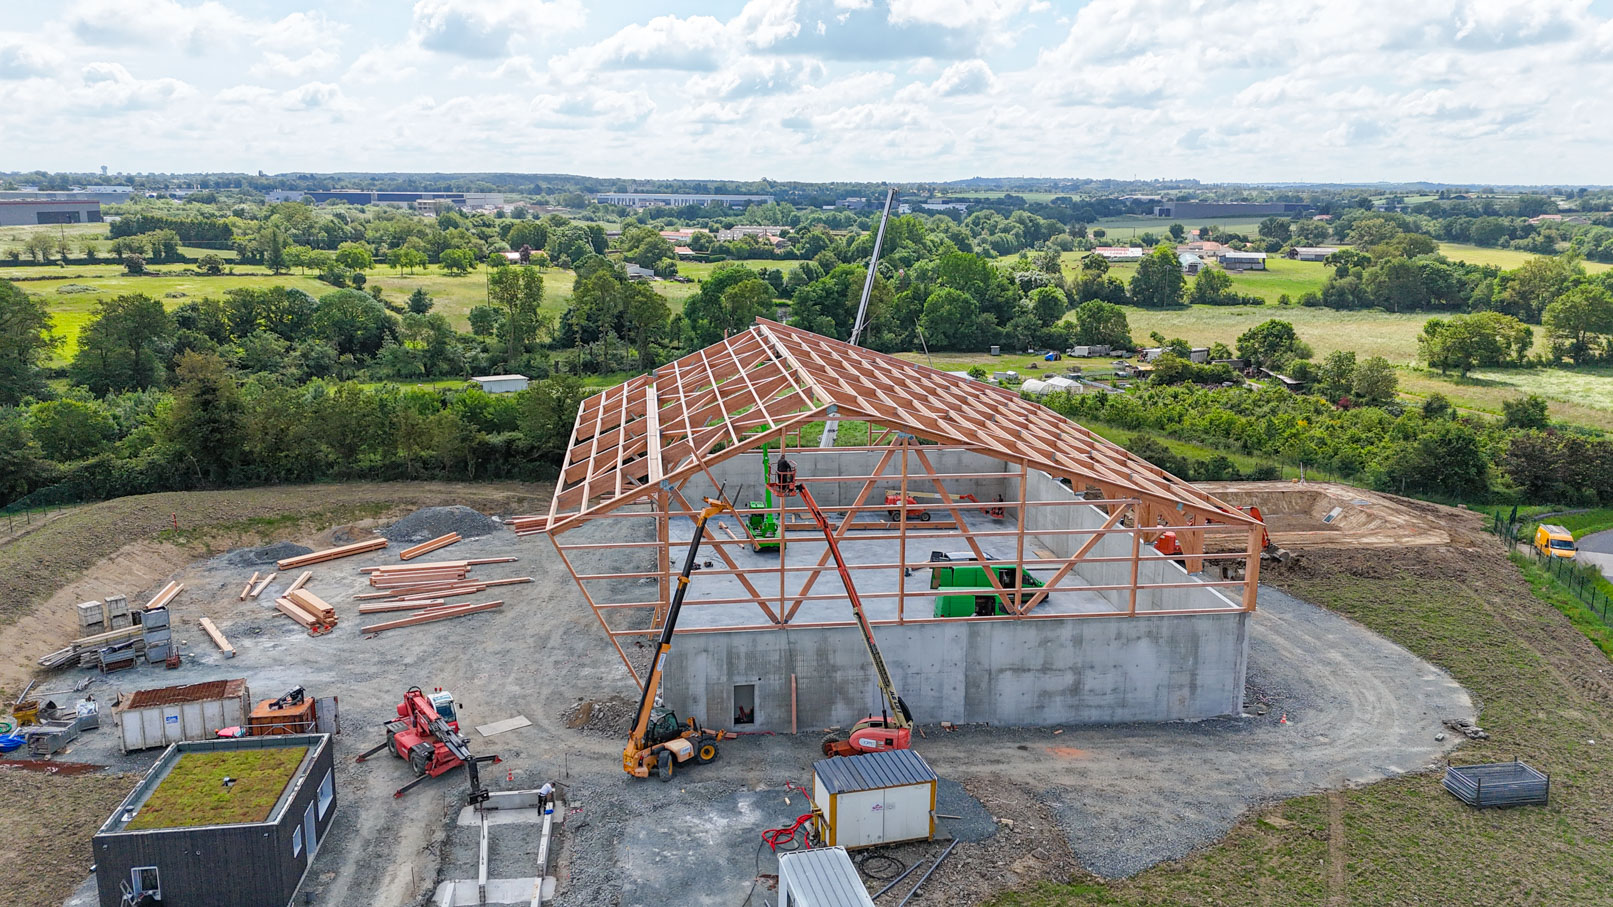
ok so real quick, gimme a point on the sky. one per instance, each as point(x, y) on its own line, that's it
point(1455, 91)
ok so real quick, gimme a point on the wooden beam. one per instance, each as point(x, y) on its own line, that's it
point(428, 617)
point(441, 541)
point(168, 594)
point(301, 580)
point(1080, 554)
point(416, 605)
point(217, 637)
point(264, 584)
point(247, 589)
point(331, 554)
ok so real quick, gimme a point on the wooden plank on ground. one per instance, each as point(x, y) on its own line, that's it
point(301, 581)
point(214, 634)
point(313, 604)
point(168, 594)
point(331, 554)
point(258, 590)
point(415, 605)
point(247, 589)
point(441, 541)
point(290, 609)
point(499, 727)
point(430, 616)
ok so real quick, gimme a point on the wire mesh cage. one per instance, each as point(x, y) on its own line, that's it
point(1498, 784)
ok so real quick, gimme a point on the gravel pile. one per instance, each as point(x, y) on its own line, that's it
point(600, 717)
point(267, 554)
point(431, 522)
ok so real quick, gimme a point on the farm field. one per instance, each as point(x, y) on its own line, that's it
point(1127, 226)
point(1582, 396)
point(1502, 258)
point(1281, 277)
point(1368, 333)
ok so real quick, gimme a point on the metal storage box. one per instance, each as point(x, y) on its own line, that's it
point(822, 877)
point(874, 798)
point(172, 714)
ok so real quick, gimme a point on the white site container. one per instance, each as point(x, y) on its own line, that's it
point(168, 715)
point(874, 798)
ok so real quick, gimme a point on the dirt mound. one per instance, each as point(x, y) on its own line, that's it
point(266, 554)
point(431, 522)
point(600, 717)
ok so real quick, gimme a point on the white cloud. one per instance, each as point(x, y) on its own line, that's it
point(665, 42)
point(489, 28)
point(378, 65)
point(966, 77)
point(279, 65)
point(110, 87)
point(21, 59)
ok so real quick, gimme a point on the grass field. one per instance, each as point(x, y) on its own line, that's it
point(194, 791)
point(1545, 698)
point(1583, 396)
point(1281, 277)
point(1501, 258)
point(1137, 224)
point(1369, 333)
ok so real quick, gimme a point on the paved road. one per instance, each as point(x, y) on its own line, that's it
point(1597, 548)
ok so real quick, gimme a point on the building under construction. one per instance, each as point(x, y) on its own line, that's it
point(1018, 584)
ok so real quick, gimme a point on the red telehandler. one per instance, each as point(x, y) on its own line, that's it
point(426, 735)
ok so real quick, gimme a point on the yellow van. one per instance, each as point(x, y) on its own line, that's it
point(1554, 541)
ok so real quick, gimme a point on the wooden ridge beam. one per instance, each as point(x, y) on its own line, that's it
point(168, 594)
point(331, 554)
point(425, 617)
point(441, 541)
point(262, 585)
point(247, 589)
point(217, 637)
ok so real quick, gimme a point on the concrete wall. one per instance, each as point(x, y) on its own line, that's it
point(741, 476)
point(1010, 672)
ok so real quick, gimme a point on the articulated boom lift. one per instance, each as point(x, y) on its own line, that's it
point(658, 741)
point(892, 731)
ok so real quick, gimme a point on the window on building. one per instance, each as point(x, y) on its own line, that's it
point(145, 880)
point(327, 794)
point(296, 841)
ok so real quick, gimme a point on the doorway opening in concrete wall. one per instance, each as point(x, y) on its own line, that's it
point(745, 703)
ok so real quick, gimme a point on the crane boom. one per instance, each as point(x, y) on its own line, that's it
point(652, 682)
point(831, 428)
point(789, 486)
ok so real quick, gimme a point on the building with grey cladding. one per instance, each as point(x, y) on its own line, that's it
point(33, 212)
point(677, 200)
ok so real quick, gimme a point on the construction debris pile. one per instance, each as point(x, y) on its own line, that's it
point(116, 637)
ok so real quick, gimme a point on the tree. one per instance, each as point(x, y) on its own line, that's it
point(1102, 324)
point(647, 319)
point(26, 342)
point(1466, 342)
point(1047, 305)
point(1309, 232)
point(207, 422)
point(1335, 375)
point(519, 292)
point(485, 320)
point(420, 301)
point(1158, 281)
point(407, 260)
point(950, 320)
point(1374, 382)
point(39, 246)
point(645, 247)
point(70, 430)
point(1277, 228)
point(457, 262)
point(124, 345)
point(274, 252)
point(353, 322)
point(210, 264)
point(1578, 324)
point(1272, 344)
point(1177, 232)
point(1210, 287)
point(355, 255)
point(134, 264)
point(1524, 412)
point(1525, 291)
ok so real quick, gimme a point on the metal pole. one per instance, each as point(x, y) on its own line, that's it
point(926, 877)
point(905, 873)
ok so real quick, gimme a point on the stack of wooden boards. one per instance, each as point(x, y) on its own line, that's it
point(308, 609)
point(423, 589)
point(86, 652)
point(529, 525)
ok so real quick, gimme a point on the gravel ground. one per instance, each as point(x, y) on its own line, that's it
point(1111, 799)
point(262, 555)
point(431, 522)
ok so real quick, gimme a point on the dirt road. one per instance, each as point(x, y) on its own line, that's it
point(1597, 548)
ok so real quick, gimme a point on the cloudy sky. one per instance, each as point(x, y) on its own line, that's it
point(1503, 91)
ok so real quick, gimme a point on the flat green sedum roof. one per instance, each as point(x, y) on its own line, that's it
point(193, 793)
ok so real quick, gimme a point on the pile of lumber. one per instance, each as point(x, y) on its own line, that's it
point(436, 580)
point(87, 650)
point(441, 541)
point(217, 636)
point(434, 613)
point(255, 586)
point(308, 609)
point(330, 554)
point(168, 593)
point(529, 525)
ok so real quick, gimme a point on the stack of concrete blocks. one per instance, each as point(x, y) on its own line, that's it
point(158, 635)
point(101, 617)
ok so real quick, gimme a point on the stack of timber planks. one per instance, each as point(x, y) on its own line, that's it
point(529, 525)
point(430, 582)
point(330, 554)
point(168, 594)
point(309, 610)
point(86, 651)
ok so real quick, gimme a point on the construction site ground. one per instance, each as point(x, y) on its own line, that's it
point(1329, 704)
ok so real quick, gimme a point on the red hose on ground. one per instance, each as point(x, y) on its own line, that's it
point(776, 836)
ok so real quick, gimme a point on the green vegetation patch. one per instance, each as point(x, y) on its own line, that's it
point(194, 792)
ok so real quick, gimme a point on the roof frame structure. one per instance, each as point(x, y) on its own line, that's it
point(635, 448)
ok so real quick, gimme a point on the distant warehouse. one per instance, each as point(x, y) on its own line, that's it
point(30, 212)
point(380, 197)
point(1193, 210)
point(662, 199)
